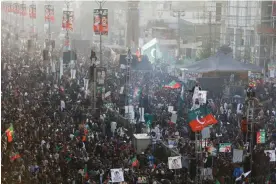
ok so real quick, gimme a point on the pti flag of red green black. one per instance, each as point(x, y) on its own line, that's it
point(200, 118)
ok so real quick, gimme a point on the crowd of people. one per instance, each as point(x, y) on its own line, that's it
point(57, 138)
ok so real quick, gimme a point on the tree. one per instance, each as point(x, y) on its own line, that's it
point(204, 53)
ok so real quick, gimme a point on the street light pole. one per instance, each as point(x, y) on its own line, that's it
point(100, 3)
point(178, 14)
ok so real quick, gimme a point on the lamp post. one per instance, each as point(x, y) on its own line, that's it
point(178, 14)
point(100, 3)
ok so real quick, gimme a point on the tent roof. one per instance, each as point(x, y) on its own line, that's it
point(221, 62)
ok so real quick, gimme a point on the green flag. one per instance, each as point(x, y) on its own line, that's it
point(152, 50)
point(148, 119)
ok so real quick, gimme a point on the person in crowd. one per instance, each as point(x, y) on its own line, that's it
point(51, 132)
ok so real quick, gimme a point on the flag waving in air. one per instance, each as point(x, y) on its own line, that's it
point(134, 162)
point(10, 133)
point(173, 85)
point(137, 92)
point(200, 118)
point(152, 50)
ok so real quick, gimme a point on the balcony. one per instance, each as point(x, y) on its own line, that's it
point(263, 29)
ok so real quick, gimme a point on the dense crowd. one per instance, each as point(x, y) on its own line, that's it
point(56, 142)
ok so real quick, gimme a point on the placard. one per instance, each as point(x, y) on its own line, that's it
point(172, 143)
point(271, 154)
point(237, 156)
point(170, 109)
point(225, 147)
point(174, 117)
point(100, 25)
point(67, 20)
point(202, 97)
point(107, 94)
point(117, 175)
point(175, 162)
point(142, 179)
point(101, 75)
point(205, 133)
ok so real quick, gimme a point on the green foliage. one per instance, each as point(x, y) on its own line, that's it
point(204, 53)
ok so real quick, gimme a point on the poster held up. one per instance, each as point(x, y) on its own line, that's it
point(117, 175)
point(175, 162)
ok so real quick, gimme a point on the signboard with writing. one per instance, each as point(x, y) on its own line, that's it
point(191, 75)
point(254, 78)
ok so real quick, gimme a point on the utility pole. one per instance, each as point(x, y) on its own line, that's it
point(49, 26)
point(210, 31)
point(178, 14)
point(101, 3)
point(22, 15)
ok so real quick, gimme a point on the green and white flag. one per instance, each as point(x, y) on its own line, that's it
point(152, 50)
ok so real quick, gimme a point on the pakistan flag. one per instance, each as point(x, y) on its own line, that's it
point(152, 50)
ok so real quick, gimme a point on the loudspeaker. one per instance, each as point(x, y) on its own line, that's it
point(45, 55)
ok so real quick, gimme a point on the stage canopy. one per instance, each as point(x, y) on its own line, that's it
point(222, 62)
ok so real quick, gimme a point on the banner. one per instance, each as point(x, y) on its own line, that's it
point(49, 13)
point(101, 75)
point(32, 11)
point(100, 25)
point(254, 78)
point(237, 156)
point(271, 154)
point(273, 12)
point(225, 147)
point(15, 8)
point(175, 162)
point(67, 20)
point(10, 8)
point(23, 10)
point(4, 7)
point(117, 175)
point(191, 75)
point(261, 137)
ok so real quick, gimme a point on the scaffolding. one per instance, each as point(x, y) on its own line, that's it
point(128, 80)
point(199, 158)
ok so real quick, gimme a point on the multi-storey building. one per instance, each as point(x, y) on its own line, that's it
point(248, 27)
point(198, 22)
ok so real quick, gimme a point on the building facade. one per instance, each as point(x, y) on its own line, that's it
point(248, 28)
